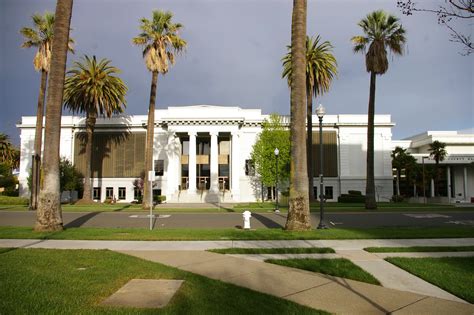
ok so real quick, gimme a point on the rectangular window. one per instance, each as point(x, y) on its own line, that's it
point(249, 168)
point(315, 192)
point(159, 167)
point(109, 192)
point(96, 193)
point(122, 193)
point(137, 193)
point(328, 192)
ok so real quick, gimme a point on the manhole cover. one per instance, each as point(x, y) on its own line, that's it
point(144, 293)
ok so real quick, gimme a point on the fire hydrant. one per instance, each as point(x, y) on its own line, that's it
point(247, 215)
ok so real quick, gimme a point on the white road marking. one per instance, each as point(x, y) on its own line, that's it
point(462, 222)
point(427, 216)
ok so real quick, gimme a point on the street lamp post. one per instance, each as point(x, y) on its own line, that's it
point(320, 111)
point(277, 208)
point(423, 163)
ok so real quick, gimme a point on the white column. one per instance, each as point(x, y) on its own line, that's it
point(464, 177)
point(214, 162)
point(448, 175)
point(192, 162)
point(432, 188)
point(235, 166)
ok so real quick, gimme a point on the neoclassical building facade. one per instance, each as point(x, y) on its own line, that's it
point(202, 154)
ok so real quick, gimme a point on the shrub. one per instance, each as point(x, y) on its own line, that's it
point(355, 192)
point(159, 199)
point(353, 196)
point(7, 200)
point(108, 200)
point(346, 198)
point(397, 198)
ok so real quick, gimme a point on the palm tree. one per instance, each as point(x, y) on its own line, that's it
point(438, 153)
point(381, 31)
point(298, 211)
point(48, 215)
point(321, 68)
point(398, 162)
point(160, 41)
point(6, 149)
point(92, 88)
point(40, 37)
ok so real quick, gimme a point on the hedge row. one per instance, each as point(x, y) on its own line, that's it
point(7, 200)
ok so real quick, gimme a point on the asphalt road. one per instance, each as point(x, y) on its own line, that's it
point(231, 220)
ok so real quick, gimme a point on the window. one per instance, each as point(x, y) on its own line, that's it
point(109, 192)
point(249, 168)
point(122, 193)
point(328, 192)
point(315, 192)
point(159, 167)
point(137, 193)
point(96, 193)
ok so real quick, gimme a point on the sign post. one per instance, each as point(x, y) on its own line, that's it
point(151, 178)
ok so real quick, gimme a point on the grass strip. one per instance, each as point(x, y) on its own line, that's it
point(453, 274)
point(289, 250)
point(339, 267)
point(140, 234)
point(415, 249)
point(254, 207)
point(81, 279)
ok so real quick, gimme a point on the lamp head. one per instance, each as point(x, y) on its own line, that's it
point(276, 151)
point(320, 111)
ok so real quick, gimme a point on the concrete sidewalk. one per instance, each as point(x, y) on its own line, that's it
point(332, 294)
point(315, 290)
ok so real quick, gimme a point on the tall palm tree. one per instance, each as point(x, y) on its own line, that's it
point(438, 153)
point(48, 215)
point(298, 212)
point(160, 41)
point(321, 68)
point(40, 37)
point(92, 88)
point(381, 31)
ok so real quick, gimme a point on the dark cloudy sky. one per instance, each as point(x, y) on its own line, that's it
point(233, 59)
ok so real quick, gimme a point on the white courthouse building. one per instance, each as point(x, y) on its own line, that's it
point(202, 153)
point(457, 182)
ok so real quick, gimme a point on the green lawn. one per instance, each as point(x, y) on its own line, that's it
point(453, 274)
point(39, 281)
point(289, 250)
point(254, 207)
point(338, 267)
point(420, 249)
point(359, 207)
point(235, 234)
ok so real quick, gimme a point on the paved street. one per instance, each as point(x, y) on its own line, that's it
point(231, 220)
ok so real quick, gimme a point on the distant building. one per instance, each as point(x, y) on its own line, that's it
point(457, 180)
point(202, 153)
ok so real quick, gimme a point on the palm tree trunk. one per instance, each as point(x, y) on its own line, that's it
point(370, 185)
point(49, 216)
point(38, 142)
point(90, 124)
point(309, 140)
point(149, 140)
point(398, 182)
point(298, 212)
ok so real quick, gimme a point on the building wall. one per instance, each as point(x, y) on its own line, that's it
point(244, 126)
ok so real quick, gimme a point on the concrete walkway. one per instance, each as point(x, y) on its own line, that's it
point(402, 293)
point(332, 294)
